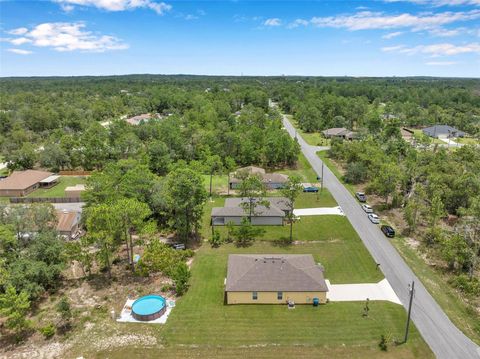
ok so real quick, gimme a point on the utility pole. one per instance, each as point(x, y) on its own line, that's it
point(409, 311)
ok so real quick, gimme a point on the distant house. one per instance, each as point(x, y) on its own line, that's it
point(136, 120)
point(274, 279)
point(339, 132)
point(68, 224)
point(233, 211)
point(270, 180)
point(74, 191)
point(443, 131)
point(22, 183)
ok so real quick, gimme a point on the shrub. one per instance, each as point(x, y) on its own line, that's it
point(48, 331)
point(215, 240)
point(180, 277)
point(383, 343)
point(467, 285)
point(158, 257)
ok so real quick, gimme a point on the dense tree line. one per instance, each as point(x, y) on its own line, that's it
point(318, 104)
point(57, 123)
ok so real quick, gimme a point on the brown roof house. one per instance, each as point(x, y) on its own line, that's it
point(270, 180)
point(274, 279)
point(68, 224)
point(233, 211)
point(21, 183)
point(339, 132)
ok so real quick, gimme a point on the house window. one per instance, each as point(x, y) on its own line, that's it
point(279, 295)
point(254, 295)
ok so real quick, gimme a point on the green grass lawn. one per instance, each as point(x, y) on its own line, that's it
point(302, 169)
point(465, 141)
point(328, 162)
point(332, 238)
point(59, 189)
point(201, 318)
point(312, 138)
point(219, 183)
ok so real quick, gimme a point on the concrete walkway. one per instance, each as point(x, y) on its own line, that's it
point(360, 292)
point(318, 211)
point(450, 142)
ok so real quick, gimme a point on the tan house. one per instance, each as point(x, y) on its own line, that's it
point(270, 180)
point(68, 224)
point(74, 191)
point(22, 183)
point(274, 279)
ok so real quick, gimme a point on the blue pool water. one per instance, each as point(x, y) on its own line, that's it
point(150, 304)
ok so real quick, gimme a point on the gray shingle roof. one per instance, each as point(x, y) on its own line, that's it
point(274, 272)
point(442, 130)
point(233, 209)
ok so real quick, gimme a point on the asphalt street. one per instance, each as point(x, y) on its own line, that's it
point(443, 337)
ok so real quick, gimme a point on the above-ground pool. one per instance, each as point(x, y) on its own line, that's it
point(149, 307)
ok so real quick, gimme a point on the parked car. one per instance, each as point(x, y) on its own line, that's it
point(374, 218)
point(310, 189)
point(367, 208)
point(388, 231)
point(361, 196)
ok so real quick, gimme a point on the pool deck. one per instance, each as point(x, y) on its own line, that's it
point(126, 313)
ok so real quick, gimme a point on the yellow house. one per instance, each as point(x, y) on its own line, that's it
point(274, 279)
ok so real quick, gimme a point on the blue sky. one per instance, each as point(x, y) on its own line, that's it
point(330, 38)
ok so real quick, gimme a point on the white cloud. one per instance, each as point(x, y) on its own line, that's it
point(19, 41)
point(367, 20)
point(441, 63)
point(435, 50)
point(297, 23)
point(116, 5)
point(63, 36)
point(273, 22)
point(441, 32)
point(20, 51)
point(391, 35)
point(438, 3)
point(190, 17)
point(18, 31)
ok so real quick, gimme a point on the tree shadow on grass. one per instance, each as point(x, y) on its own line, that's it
point(282, 242)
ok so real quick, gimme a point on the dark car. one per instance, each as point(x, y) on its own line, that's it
point(361, 196)
point(310, 189)
point(388, 231)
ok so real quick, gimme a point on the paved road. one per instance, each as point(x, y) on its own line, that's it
point(443, 337)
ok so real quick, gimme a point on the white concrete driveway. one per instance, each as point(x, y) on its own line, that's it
point(318, 211)
point(360, 292)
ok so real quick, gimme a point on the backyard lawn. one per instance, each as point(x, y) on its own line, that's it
point(201, 324)
point(312, 138)
point(465, 141)
point(59, 189)
point(335, 242)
